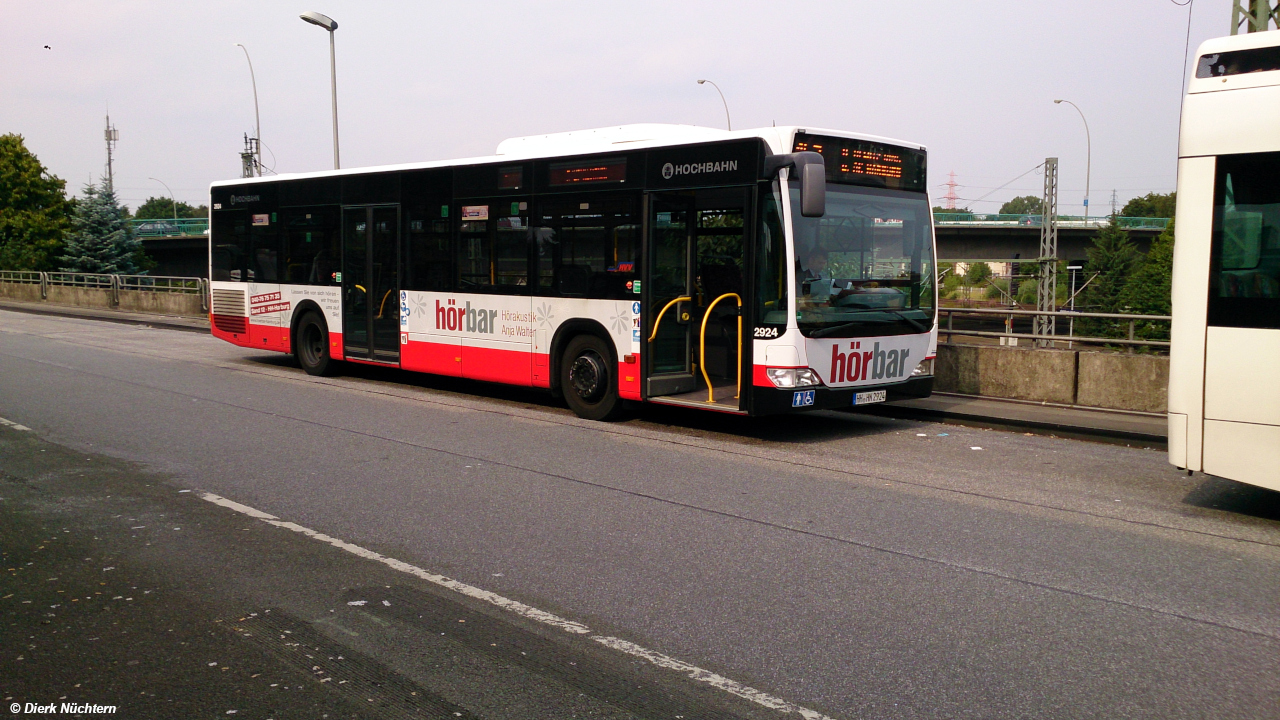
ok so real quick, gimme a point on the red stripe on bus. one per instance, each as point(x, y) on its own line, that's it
point(429, 357)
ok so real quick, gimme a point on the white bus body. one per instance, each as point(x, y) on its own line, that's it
point(1224, 393)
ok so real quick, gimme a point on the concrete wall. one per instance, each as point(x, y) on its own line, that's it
point(161, 303)
point(1117, 381)
point(20, 291)
point(1127, 382)
point(130, 300)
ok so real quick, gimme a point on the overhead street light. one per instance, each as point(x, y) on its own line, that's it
point(329, 24)
point(726, 104)
point(1088, 163)
point(257, 123)
point(175, 202)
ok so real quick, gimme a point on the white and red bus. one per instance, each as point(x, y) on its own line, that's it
point(752, 272)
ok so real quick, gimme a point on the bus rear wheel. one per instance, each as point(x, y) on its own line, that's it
point(312, 345)
point(588, 379)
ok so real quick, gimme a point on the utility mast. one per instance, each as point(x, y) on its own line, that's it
point(112, 136)
point(1047, 288)
point(949, 200)
point(1253, 15)
point(249, 166)
point(1114, 203)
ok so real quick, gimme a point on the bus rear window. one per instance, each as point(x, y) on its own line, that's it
point(1238, 62)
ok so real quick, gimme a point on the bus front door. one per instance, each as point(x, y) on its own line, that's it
point(694, 266)
point(370, 285)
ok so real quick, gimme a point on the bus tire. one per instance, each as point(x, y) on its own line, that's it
point(589, 379)
point(312, 345)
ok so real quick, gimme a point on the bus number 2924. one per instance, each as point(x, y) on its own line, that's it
point(766, 332)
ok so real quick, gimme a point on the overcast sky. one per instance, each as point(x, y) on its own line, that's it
point(973, 80)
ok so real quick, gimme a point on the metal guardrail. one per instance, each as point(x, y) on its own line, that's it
point(157, 227)
point(112, 283)
point(1063, 221)
point(1131, 341)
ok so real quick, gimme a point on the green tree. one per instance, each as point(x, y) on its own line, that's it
point(1025, 205)
point(156, 208)
point(1113, 257)
point(34, 209)
point(101, 241)
point(952, 211)
point(977, 273)
point(1151, 205)
point(1149, 289)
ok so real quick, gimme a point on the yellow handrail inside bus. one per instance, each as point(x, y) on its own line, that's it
point(383, 305)
point(361, 289)
point(683, 298)
point(702, 343)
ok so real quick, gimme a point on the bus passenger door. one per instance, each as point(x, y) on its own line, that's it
point(696, 270)
point(370, 283)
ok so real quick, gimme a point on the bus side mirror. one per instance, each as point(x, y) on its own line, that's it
point(811, 171)
point(813, 189)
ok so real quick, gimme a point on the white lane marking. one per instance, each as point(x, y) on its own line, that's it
point(12, 424)
point(692, 671)
point(404, 567)
point(708, 677)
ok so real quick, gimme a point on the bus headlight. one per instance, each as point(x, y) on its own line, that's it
point(924, 368)
point(792, 377)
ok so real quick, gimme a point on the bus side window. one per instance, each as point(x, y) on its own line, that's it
point(310, 245)
point(587, 246)
point(1244, 277)
point(230, 238)
point(428, 256)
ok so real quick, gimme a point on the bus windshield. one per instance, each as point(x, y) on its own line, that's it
point(866, 267)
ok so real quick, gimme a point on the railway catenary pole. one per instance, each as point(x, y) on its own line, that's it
point(1047, 289)
point(1253, 15)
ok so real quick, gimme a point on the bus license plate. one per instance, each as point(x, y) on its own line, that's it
point(866, 398)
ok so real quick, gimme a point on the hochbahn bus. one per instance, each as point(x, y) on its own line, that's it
point(755, 272)
point(1224, 396)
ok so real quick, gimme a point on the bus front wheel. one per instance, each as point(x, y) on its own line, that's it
point(312, 346)
point(588, 379)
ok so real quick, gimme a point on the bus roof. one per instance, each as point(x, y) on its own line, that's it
point(621, 138)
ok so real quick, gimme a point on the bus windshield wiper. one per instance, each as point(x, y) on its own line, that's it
point(836, 329)
point(914, 323)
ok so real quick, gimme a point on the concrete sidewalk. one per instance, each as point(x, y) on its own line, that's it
point(172, 322)
point(1148, 429)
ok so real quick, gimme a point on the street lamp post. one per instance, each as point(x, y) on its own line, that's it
point(1088, 163)
point(727, 123)
point(257, 123)
point(329, 24)
point(175, 202)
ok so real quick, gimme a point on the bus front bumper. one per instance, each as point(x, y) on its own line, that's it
point(774, 401)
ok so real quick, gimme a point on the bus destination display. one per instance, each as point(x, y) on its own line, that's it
point(588, 173)
point(861, 162)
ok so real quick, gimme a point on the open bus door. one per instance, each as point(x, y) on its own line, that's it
point(695, 271)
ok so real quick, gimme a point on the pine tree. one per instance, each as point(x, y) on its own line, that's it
point(34, 210)
point(1149, 290)
point(100, 240)
point(1113, 256)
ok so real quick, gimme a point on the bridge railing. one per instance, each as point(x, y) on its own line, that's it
point(1127, 323)
point(157, 227)
point(111, 283)
point(1007, 220)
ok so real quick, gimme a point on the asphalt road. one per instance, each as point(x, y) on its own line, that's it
point(476, 551)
